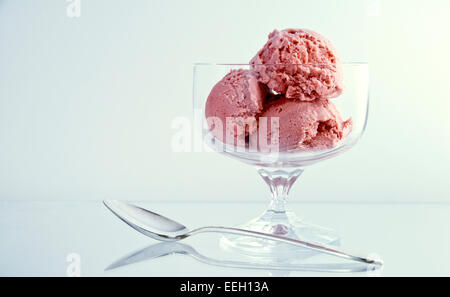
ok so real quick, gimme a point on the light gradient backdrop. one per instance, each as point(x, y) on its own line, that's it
point(86, 104)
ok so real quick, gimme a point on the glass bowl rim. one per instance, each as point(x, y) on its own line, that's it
point(355, 63)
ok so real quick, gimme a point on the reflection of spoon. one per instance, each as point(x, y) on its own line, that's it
point(165, 229)
point(168, 248)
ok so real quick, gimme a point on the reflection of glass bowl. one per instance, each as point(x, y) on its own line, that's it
point(281, 169)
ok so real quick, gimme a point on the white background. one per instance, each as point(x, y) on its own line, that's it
point(86, 104)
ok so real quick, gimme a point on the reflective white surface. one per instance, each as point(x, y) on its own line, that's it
point(37, 237)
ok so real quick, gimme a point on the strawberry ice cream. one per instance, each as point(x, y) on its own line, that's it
point(300, 64)
point(305, 125)
point(290, 81)
point(233, 104)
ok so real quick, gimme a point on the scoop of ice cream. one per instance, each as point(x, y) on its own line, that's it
point(299, 64)
point(303, 125)
point(233, 104)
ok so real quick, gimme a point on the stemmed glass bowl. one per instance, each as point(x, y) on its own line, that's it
point(281, 169)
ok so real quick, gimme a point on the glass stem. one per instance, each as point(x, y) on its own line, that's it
point(280, 183)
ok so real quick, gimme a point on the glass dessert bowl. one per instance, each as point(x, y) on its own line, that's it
point(303, 133)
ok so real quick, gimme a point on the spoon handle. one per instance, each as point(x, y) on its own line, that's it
point(324, 248)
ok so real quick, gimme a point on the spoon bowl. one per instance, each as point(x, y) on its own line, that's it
point(146, 222)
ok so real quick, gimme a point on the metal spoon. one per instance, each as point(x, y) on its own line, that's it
point(161, 228)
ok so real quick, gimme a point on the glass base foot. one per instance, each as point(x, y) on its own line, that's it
point(282, 223)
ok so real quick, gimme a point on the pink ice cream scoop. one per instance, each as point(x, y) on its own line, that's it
point(300, 64)
point(233, 104)
point(304, 125)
